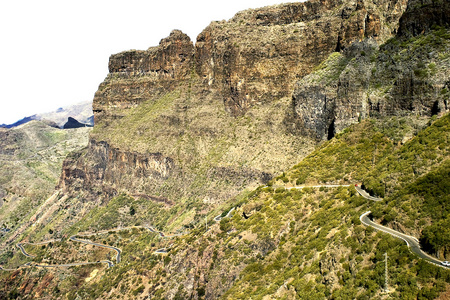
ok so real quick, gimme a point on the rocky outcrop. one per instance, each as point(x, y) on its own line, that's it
point(136, 76)
point(334, 97)
point(106, 170)
point(405, 76)
point(73, 123)
point(241, 66)
point(423, 15)
point(258, 55)
point(245, 66)
point(254, 58)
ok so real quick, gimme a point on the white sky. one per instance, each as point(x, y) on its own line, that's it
point(55, 53)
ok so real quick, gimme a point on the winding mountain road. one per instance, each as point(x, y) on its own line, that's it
point(412, 242)
point(76, 238)
point(366, 194)
point(20, 246)
point(219, 218)
point(317, 186)
point(118, 250)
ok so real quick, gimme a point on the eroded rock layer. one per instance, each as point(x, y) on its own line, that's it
point(406, 75)
point(225, 103)
point(253, 58)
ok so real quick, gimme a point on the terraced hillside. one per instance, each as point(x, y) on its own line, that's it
point(242, 153)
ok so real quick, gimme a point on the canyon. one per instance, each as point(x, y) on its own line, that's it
point(318, 93)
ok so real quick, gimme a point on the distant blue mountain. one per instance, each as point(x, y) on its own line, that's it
point(73, 123)
point(21, 121)
point(81, 111)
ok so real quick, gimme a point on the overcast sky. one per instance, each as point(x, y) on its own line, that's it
point(55, 53)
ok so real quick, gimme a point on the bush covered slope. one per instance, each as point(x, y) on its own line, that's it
point(284, 243)
point(166, 154)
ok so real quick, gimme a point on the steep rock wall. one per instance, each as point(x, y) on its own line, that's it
point(243, 66)
point(106, 170)
point(136, 75)
point(253, 58)
point(407, 75)
point(258, 55)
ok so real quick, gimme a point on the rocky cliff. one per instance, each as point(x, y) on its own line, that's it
point(186, 132)
point(135, 76)
point(259, 54)
point(105, 164)
point(253, 58)
point(407, 75)
point(223, 107)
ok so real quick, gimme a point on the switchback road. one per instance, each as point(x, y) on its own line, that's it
point(366, 194)
point(412, 242)
point(219, 218)
point(76, 238)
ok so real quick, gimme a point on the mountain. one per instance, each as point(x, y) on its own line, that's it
point(31, 157)
point(227, 169)
point(81, 111)
point(20, 122)
point(73, 123)
point(208, 120)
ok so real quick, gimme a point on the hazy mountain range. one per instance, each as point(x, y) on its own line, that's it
point(82, 112)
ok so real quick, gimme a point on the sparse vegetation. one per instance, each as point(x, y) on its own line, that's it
point(279, 242)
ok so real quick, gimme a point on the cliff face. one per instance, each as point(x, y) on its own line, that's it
point(421, 16)
point(135, 76)
point(239, 103)
point(407, 75)
point(102, 163)
point(259, 54)
point(191, 98)
point(253, 58)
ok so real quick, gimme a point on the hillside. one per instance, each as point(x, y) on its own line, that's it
point(309, 242)
point(227, 169)
point(31, 157)
point(205, 121)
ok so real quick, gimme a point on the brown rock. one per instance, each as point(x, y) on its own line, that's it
point(113, 170)
point(137, 75)
point(422, 15)
point(368, 81)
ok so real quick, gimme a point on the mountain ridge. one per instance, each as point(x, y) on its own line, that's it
point(81, 111)
point(321, 93)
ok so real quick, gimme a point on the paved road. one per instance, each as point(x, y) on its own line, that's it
point(19, 267)
point(366, 194)
point(118, 250)
point(75, 239)
point(20, 246)
point(411, 241)
point(161, 251)
point(317, 186)
point(219, 218)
